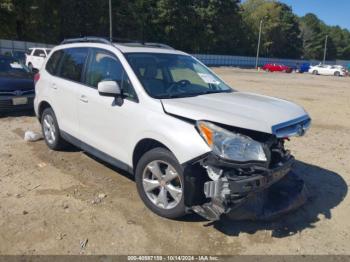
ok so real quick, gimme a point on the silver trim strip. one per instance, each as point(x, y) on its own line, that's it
point(17, 92)
point(295, 127)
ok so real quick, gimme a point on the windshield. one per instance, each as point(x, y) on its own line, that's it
point(10, 67)
point(172, 76)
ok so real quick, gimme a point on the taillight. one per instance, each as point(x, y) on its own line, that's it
point(36, 78)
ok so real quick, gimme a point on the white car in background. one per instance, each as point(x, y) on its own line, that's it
point(328, 70)
point(35, 57)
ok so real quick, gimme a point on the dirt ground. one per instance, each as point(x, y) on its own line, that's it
point(48, 199)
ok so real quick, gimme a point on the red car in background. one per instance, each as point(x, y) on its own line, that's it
point(277, 68)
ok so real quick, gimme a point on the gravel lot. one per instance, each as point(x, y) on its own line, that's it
point(49, 200)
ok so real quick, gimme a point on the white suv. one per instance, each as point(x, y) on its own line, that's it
point(35, 57)
point(192, 142)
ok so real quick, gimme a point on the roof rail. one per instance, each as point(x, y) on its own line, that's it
point(86, 39)
point(146, 44)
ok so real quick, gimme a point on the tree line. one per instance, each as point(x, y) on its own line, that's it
point(197, 26)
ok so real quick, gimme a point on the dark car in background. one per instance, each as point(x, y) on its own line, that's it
point(19, 56)
point(303, 68)
point(16, 85)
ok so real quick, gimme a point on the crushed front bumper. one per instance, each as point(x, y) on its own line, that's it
point(244, 191)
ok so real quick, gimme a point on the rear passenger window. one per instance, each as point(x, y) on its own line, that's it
point(73, 63)
point(54, 61)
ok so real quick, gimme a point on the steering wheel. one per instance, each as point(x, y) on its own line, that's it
point(178, 84)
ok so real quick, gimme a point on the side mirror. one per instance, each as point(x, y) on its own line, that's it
point(109, 88)
point(35, 71)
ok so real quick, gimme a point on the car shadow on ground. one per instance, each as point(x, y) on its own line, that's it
point(114, 168)
point(327, 190)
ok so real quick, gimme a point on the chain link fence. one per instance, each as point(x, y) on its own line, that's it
point(249, 62)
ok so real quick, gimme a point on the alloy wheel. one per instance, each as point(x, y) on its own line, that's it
point(162, 184)
point(49, 129)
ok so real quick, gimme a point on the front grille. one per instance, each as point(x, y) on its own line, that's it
point(8, 105)
point(17, 92)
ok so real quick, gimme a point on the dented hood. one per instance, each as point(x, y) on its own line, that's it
point(238, 109)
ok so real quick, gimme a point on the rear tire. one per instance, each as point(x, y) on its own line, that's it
point(160, 183)
point(30, 66)
point(315, 72)
point(51, 131)
point(336, 73)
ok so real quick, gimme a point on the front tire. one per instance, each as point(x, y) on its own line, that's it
point(51, 131)
point(160, 183)
point(315, 72)
point(337, 73)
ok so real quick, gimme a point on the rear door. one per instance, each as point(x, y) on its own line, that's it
point(104, 121)
point(65, 88)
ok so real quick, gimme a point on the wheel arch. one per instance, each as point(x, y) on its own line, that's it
point(42, 106)
point(143, 146)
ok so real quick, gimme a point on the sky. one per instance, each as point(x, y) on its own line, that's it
point(332, 12)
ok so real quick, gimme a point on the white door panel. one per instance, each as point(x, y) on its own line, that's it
point(105, 125)
point(67, 88)
point(65, 95)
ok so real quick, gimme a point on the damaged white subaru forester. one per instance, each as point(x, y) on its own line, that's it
point(192, 142)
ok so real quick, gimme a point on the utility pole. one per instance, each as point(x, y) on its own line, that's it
point(325, 49)
point(110, 22)
point(257, 52)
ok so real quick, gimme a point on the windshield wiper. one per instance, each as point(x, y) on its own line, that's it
point(216, 91)
point(183, 95)
point(180, 95)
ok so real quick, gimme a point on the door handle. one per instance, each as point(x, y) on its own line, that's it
point(84, 99)
point(54, 86)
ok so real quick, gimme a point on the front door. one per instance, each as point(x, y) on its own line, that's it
point(104, 123)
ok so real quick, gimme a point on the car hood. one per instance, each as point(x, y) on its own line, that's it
point(13, 84)
point(238, 109)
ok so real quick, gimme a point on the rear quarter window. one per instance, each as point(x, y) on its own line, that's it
point(54, 61)
point(39, 52)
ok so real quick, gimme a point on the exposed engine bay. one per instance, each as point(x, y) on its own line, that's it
point(251, 190)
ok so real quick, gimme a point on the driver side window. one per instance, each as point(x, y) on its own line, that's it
point(104, 66)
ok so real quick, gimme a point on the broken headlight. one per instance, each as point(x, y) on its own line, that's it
point(229, 145)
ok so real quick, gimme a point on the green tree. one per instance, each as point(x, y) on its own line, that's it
point(201, 26)
point(313, 34)
point(223, 26)
point(341, 40)
point(280, 34)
